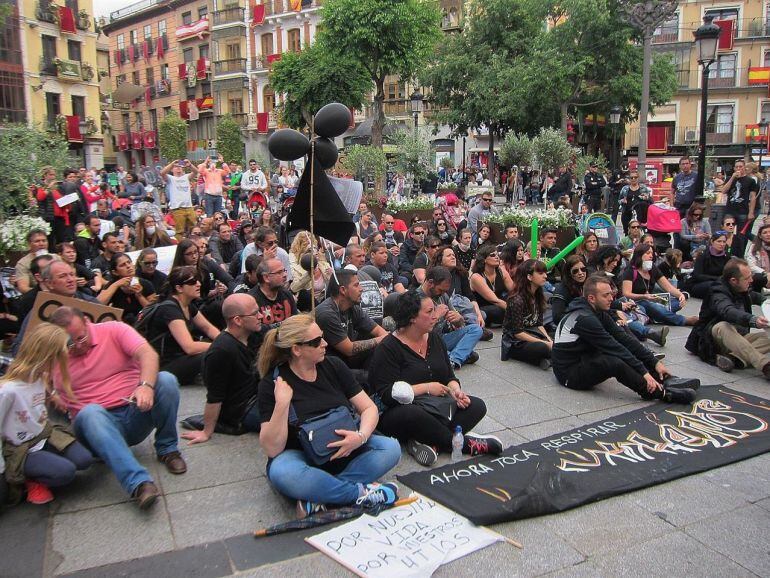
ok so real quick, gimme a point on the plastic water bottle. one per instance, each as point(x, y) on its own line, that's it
point(457, 444)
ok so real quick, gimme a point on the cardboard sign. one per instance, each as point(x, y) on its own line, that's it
point(46, 303)
point(407, 541)
point(165, 257)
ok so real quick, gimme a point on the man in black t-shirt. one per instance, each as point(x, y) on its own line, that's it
point(229, 374)
point(741, 190)
point(350, 334)
point(379, 257)
point(276, 303)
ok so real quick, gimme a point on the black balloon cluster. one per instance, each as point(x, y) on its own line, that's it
point(332, 120)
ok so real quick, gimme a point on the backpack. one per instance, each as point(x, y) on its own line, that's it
point(144, 321)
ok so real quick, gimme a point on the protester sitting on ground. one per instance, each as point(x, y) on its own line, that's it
point(605, 259)
point(25, 303)
point(110, 245)
point(511, 255)
point(90, 282)
point(510, 233)
point(723, 335)
point(150, 233)
point(147, 269)
point(491, 284)
point(640, 282)
point(695, 232)
point(366, 226)
point(214, 281)
point(350, 334)
point(442, 231)
point(276, 303)
point(758, 258)
point(314, 281)
point(464, 251)
point(229, 374)
point(302, 280)
point(225, 245)
point(87, 243)
point(379, 257)
point(412, 376)
point(266, 244)
point(670, 266)
point(482, 237)
point(709, 265)
point(736, 240)
point(459, 336)
point(589, 348)
point(37, 242)
point(245, 230)
point(267, 219)
point(133, 190)
point(119, 398)
point(575, 273)
point(634, 237)
point(170, 330)
point(126, 291)
point(36, 454)
point(524, 336)
point(589, 245)
point(425, 254)
point(247, 281)
point(415, 238)
point(299, 383)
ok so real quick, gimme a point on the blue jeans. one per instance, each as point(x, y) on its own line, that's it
point(461, 342)
point(109, 433)
point(54, 468)
point(660, 313)
point(292, 476)
point(211, 204)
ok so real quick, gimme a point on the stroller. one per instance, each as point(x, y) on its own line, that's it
point(602, 226)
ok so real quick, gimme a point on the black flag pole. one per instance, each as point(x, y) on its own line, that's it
point(312, 227)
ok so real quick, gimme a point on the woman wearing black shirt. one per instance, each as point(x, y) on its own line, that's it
point(524, 337)
point(413, 378)
point(570, 287)
point(491, 284)
point(126, 291)
point(709, 265)
point(299, 382)
point(147, 268)
point(736, 241)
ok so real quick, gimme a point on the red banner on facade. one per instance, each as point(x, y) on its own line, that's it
point(73, 129)
point(263, 119)
point(161, 50)
point(183, 110)
point(136, 140)
point(149, 139)
point(258, 14)
point(148, 96)
point(123, 142)
point(273, 58)
point(201, 69)
point(726, 37)
point(146, 49)
point(183, 71)
point(66, 20)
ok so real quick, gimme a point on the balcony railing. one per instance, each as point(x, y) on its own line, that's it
point(242, 118)
point(743, 28)
point(47, 66)
point(232, 15)
point(230, 66)
point(259, 62)
point(716, 133)
point(132, 8)
point(275, 7)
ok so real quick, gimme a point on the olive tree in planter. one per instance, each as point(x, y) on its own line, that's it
point(172, 137)
point(366, 163)
point(229, 141)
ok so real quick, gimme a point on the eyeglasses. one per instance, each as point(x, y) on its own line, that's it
point(255, 314)
point(72, 343)
point(441, 224)
point(279, 272)
point(634, 227)
point(577, 270)
point(192, 281)
point(418, 233)
point(492, 256)
point(150, 263)
point(315, 342)
point(729, 224)
point(634, 178)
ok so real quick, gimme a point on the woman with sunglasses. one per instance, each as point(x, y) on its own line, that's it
point(147, 269)
point(441, 230)
point(708, 267)
point(171, 328)
point(424, 255)
point(633, 238)
point(524, 336)
point(635, 196)
point(575, 273)
point(300, 382)
point(126, 291)
point(413, 377)
point(491, 285)
point(695, 232)
point(736, 242)
point(214, 280)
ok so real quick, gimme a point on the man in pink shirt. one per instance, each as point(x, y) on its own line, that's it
point(120, 397)
point(213, 183)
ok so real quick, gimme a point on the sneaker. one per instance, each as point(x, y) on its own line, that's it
point(725, 363)
point(472, 358)
point(659, 356)
point(545, 364)
point(378, 495)
point(455, 365)
point(478, 444)
point(486, 335)
point(677, 395)
point(306, 508)
point(423, 454)
point(37, 493)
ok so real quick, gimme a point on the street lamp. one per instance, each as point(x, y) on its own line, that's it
point(416, 99)
point(615, 113)
point(763, 141)
point(706, 42)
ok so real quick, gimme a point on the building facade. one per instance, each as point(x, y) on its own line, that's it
point(738, 97)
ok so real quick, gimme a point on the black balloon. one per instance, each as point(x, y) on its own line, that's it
point(332, 120)
point(326, 152)
point(287, 144)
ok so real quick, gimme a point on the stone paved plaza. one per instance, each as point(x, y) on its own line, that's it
point(712, 524)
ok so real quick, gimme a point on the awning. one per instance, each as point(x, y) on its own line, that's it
point(127, 93)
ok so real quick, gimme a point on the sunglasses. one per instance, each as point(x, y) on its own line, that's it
point(577, 270)
point(634, 227)
point(316, 342)
point(487, 200)
point(433, 246)
point(150, 263)
point(418, 233)
point(192, 281)
point(729, 224)
point(721, 233)
point(492, 256)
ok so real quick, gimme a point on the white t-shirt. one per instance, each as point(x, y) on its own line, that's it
point(251, 181)
point(178, 192)
point(22, 414)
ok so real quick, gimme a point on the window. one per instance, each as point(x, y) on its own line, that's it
point(121, 41)
point(79, 106)
point(202, 12)
point(150, 73)
point(190, 92)
point(134, 37)
point(203, 50)
point(126, 123)
point(187, 55)
point(135, 78)
point(164, 72)
point(725, 14)
point(681, 60)
point(233, 51)
point(268, 100)
point(766, 56)
point(668, 31)
point(294, 41)
point(161, 28)
point(395, 91)
point(719, 122)
point(72, 5)
point(12, 107)
point(166, 110)
point(73, 50)
point(49, 51)
point(154, 120)
point(52, 107)
point(764, 116)
point(138, 121)
point(235, 105)
point(147, 31)
point(722, 72)
point(205, 88)
point(267, 44)
point(186, 18)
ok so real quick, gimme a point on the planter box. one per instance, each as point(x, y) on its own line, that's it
point(11, 258)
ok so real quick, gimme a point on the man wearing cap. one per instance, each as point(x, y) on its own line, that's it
point(594, 183)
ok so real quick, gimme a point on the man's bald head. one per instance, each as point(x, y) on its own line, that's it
point(238, 304)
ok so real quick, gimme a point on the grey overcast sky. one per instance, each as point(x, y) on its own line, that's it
point(104, 7)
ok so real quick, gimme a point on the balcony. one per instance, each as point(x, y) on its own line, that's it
point(242, 118)
point(69, 70)
point(231, 66)
point(45, 12)
point(276, 7)
point(132, 9)
point(688, 136)
point(743, 29)
point(723, 79)
point(234, 15)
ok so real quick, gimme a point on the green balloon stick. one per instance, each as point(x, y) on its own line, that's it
point(533, 238)
point(563, 253)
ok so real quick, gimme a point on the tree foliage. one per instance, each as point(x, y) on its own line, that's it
point(552, 149)
point(172, 137)
point(386, 37)
point(26, 151)
point(365, 163)
point(413, 153)
point(229, 142)
point(315, 77)
point(582, 163)
point(516, 150)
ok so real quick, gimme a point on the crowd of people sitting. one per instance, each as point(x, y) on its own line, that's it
point(363, 344)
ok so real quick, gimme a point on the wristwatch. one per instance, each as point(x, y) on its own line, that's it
point(363, 437)
point(145, 383)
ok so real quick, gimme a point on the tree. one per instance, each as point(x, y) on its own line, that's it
point(315, 77)
point(365, 163)
point(552, 149)
point(172, 137)
point(516, 150)
point(387, 37)
point(229, 141)
point(26, 151)
point(412, 153)
point(582, 162)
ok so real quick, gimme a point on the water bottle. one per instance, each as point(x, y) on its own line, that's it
point(457, 444)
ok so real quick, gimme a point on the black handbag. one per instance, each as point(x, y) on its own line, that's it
point(318, 432)
point(442, 407)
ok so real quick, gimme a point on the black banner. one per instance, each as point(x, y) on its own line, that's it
point(631, 451)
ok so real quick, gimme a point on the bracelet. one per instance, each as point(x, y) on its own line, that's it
point(147, 384)
point(363, 437)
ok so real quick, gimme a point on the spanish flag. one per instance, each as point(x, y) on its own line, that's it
point(759, 75)
point(296, 5)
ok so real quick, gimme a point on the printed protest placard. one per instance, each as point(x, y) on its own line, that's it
point(371, 299)
point(406, 541)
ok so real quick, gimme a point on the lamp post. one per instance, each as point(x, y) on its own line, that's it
point(762, 141)
point(706, 42)
point(615, 113)
point(416, 102)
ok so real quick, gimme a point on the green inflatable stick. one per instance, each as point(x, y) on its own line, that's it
point(563, 253)
point(533, 237)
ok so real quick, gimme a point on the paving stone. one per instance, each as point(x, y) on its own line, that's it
point(204, 561)
point(484, 384)
point(246, 551)
point(522, 409)
point(758, 386)
point(23, 530)
point(741, 535)
point(604, 396)
point(315, 565)
point(749, 478)
point(488, 425)
point(606, 526)
point(192, 398)
point(548, 428)
point(100, 536)
point(200, 516)
point(764, 504)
